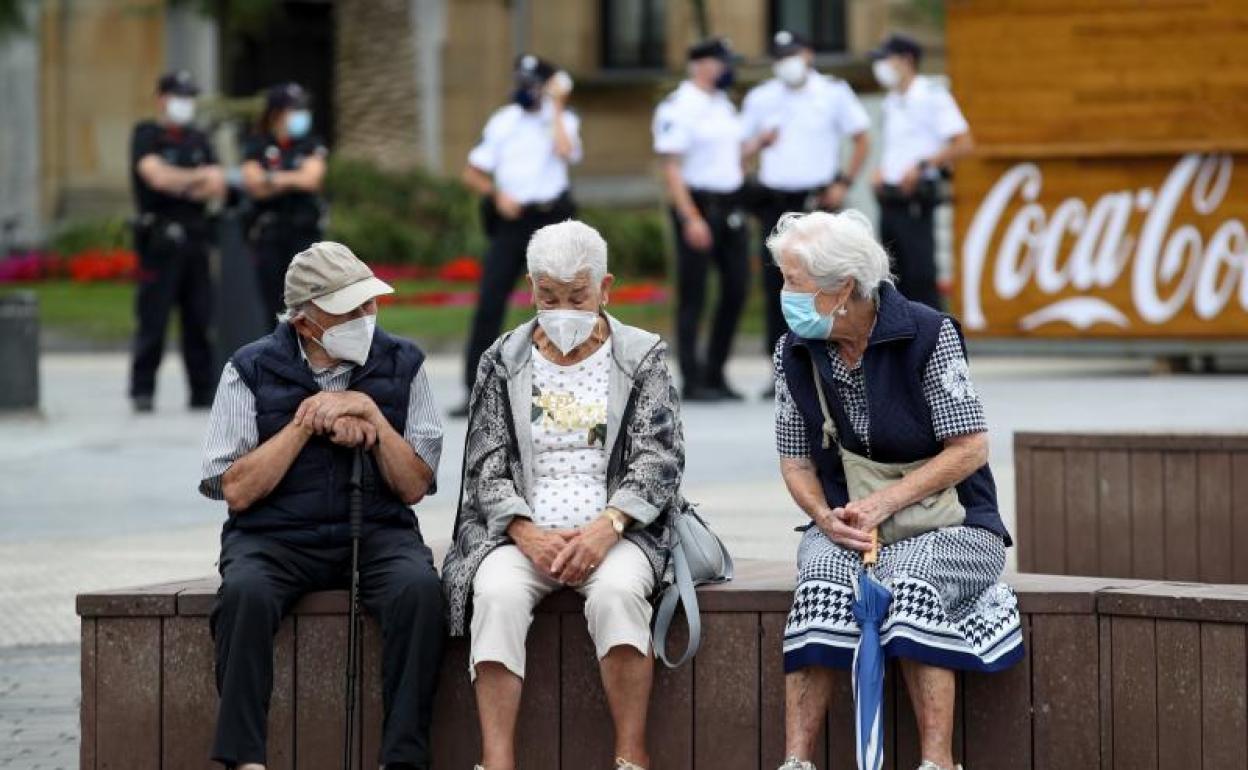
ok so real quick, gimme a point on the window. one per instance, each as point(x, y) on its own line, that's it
point(633, 34)
point(822, 22)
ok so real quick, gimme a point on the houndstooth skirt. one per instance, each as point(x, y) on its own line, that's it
point(949, 607)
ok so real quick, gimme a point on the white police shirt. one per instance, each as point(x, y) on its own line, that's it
point(706, 132)
point(518, 149)
point(812, 120)
point(917, 125)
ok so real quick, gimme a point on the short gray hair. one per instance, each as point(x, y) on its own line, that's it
point(834, 248)
point(565, 250)
point(291, 313)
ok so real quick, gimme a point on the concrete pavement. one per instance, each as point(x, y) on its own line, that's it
point(94, 497)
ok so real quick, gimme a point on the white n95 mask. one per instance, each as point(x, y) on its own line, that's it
point(180, 110)
point(350, 341)
point(791, 70)
point(886, 73)
point(567, 329)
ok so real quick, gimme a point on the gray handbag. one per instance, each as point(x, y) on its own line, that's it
point(699, 557)
point(863, 476)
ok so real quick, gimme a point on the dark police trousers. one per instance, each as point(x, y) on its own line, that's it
point(503, 264)
point(729, 254)
point(907, 230)
point(274, 244)
point(173, 270)
point(264, 574)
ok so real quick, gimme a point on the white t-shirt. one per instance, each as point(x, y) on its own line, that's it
point(569, 439)
point(812, 120)
point(518, 148)
point(917, 125)
point(706, 132)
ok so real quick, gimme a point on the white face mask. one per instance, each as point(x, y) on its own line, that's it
point(886, 73)
point(567, 329)
point(180, 110)
point(351, 340)
point(791, 70)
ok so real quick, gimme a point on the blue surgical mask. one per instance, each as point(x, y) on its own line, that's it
point(298, 123)
point(803, 317)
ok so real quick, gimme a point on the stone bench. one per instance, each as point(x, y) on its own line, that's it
point(1147, 506)
point(1119, 674)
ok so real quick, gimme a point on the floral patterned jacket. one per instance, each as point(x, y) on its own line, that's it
point(644, 438)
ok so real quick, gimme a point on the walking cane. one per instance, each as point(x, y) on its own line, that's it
point(353, 627)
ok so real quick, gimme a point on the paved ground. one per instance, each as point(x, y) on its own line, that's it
point(94, 497)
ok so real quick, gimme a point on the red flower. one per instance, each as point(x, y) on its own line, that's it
point(461, 270)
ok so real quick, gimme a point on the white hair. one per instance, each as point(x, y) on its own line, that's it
point(834, 248)
point(291, 313)
point(565, 250)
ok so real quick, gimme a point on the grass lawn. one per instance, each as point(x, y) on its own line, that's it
point(103, 314)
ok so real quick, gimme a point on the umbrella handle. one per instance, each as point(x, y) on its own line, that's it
point(870, 558)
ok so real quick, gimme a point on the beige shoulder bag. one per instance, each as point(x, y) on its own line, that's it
point(863, 476)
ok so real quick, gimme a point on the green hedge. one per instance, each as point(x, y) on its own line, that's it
point(416, 218)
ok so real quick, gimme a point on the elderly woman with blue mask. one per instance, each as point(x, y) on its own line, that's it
point(865, 372)
point(572, 471)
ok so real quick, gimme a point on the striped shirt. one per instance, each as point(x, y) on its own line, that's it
point(232, 430)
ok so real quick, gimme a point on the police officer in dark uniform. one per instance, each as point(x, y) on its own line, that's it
point(174, 174)
point(283, 172)
point(520, 168)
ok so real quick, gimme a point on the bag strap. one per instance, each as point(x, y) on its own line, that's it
point(684, 592)
point(829, 425)
point(681, 591)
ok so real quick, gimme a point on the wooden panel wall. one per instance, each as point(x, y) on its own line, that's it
point(1148, 507)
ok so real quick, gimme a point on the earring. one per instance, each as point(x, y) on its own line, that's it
point(843, 310)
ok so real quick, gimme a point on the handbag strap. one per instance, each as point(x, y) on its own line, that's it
point(681, 591)
point(829, 425)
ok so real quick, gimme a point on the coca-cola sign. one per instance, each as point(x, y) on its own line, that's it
point(1168, 256)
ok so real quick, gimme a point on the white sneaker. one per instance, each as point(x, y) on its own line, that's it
point(930, 765)
point(793, 763)
point(624, 764)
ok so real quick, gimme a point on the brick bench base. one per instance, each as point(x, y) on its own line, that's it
point(1119, 674)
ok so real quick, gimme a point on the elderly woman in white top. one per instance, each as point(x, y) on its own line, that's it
point(572, 472)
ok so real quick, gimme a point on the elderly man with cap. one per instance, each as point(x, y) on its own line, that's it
point(924, 133)
point(174, 174)
point(699, 136)
point(283, 172)
point(799, 120)
point(290, 412)
point(520, 168)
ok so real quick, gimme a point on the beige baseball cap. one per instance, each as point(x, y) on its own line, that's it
point(330, 276)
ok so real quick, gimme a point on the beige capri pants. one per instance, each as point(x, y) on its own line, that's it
point(508, 586)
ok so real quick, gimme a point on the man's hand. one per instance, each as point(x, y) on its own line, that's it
point(697, 233)
point(321, 411)
point(584, 553)
point(838, 525)
point(833, 196)
point(353, 432)
point(541, 546)
point(508, 207)
point(910, 180)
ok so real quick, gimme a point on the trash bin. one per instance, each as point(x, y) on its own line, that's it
point(19, 351)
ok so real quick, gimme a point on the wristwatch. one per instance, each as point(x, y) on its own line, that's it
point(619, 522)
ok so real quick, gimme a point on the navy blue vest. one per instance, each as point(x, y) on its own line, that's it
point(900, 424)
point(314, 496)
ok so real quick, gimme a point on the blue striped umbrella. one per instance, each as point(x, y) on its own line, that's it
point(871, 602)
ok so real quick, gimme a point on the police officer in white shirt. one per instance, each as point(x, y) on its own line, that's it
point(520, 168)
point(699, 136)
point(799, 120)
point(924, 133)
